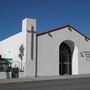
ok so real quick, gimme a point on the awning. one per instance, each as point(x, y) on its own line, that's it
point(5, 60)
point(10, 59)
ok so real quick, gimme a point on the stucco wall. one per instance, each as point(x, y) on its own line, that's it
point(4, 76)
point(9, 48)
point(48, 52)
point(30, 45)
point(84, 62)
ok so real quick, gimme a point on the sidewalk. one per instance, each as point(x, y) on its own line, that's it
point(6, 81)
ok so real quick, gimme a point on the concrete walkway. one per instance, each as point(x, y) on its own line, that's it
point(18, 80)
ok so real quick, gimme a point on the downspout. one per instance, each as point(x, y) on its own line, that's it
point(36, 66)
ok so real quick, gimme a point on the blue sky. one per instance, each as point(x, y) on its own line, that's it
point(50, 14)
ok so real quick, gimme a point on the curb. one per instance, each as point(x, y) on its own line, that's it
point(44, 78)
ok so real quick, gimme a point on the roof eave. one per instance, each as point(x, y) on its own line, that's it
point(66, 26)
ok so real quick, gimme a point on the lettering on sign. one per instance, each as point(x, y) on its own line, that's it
point(85, 54)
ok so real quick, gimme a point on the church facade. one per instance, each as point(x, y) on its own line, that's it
point(62, 51)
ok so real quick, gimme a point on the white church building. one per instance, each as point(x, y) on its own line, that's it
point(62, 51)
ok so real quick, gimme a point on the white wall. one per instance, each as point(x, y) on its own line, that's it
point(30, 64)
point(4, 76)
point(84, 62)
point(75, 67)
point(48, 52)
point(9, 48)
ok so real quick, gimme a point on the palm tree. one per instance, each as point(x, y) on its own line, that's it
point(21, 53)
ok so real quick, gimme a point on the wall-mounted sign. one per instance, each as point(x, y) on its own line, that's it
point(85, 54)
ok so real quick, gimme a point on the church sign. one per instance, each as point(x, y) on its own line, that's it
point(85, 54)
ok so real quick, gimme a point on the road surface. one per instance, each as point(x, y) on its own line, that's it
point(67, 84)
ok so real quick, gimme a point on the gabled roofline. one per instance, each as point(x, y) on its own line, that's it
point(46, 32)
point(79, 32)
point(66, 26)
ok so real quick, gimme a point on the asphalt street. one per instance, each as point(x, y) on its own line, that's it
point(67, 84)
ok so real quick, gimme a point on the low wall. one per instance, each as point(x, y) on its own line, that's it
point(3, 75)
point(21, 74)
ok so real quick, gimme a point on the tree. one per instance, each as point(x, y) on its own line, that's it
point(21, 53)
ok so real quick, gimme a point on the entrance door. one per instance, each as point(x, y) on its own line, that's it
point(65, 59)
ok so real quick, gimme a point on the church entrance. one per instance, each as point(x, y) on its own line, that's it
point(65, 59)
